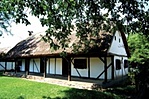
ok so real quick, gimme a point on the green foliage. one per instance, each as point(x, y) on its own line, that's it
point(139, 48)
point(86, 17)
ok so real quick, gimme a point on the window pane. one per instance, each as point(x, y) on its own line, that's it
point(80, 63)
point(125, 63)
point(118, 64)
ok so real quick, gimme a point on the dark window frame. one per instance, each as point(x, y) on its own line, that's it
point(19, 62)
point(118, 64)
point(125, 63)
point(80, 63)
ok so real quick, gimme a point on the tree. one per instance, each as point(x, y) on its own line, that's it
point(139, 48)
point(86, 17)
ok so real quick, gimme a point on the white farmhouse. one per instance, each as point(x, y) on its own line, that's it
point(107, 59)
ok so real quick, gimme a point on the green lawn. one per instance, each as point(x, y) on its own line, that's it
point(17, 88)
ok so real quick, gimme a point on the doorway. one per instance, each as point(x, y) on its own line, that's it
point(65, 64)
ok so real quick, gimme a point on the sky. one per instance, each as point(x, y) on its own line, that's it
point(20, 32)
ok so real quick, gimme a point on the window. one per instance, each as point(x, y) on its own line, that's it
point(80, 63)
point(118, 64)
point(125, 63)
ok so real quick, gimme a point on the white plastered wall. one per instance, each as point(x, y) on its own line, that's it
point(117, 45)
point(10, 65)
point(118, 50)
point(3, 64)
point(54, 66)
point(96, 68)
point(123, 71)
point(22, 68)
point(34, 65)
point(83, 72)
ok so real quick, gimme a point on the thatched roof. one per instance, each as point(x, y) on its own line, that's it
point(3, 51)
point(35, 46)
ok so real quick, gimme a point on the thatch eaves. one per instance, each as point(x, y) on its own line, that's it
point(36, 46)
point(3, 51)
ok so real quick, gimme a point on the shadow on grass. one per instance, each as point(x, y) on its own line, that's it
point(73, 93)
point(1, 73)
point(20, 97)
point(45, 97)
point(87, 94)
point(83, 94)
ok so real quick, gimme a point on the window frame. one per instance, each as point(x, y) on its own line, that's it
point(80, 63)
point(118, 64)
point(126, 63)
point(19, 62)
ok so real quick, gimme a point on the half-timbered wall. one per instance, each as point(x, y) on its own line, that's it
point(2, 64)
point(9, 65)
point(122, 71)
point(96, 68)
point(34, 65)
point(79, 72)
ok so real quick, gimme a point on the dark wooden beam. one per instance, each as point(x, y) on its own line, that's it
point(55, 66)
point(105, 67)
point(11, 65)
point(5, 66)
point(104, 70)
point(112, 68)
point(45, 67)
point(103, 60)
point(88, 67)
point(49, 66)
point(16, 64)
point(78, 72)
point(27, 63)
point(34, 64)
point(76, 69)
point(69, 68)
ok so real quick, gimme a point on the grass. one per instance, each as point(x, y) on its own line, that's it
point(17, 88)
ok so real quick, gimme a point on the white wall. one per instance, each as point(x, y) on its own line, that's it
point(3, 64)
point(58, 66)
point(35, 65)
point(54, 67)
point(122, 71)
point(83, 72)
point(109, 71)
point(10, 65)
point(96, 68)
point(23, 65)
point(117, 46)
